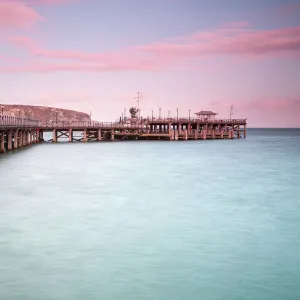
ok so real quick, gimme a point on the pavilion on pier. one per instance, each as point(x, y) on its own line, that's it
point(206, 115)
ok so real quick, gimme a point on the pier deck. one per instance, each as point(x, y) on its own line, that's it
point(18, 132)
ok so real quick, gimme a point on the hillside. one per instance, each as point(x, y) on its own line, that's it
point(44, 113)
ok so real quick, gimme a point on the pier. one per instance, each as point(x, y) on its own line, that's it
point(19, 132)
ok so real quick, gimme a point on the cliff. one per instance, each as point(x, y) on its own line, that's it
point(44, 113)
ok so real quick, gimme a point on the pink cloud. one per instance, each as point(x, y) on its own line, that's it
point(224, 42)
point(38, 2)
point(15, 14)
point(230, 40)
point(51, 1)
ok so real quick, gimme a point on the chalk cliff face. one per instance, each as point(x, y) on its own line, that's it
point(44, 113)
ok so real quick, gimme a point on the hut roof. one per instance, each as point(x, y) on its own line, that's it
point(205, 113)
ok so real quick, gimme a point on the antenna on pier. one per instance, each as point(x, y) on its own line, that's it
point(231, 111)
point(138, 97)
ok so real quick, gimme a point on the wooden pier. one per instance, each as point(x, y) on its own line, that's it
point(18, 132)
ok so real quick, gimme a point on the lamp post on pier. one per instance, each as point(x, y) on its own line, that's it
point(152, 114)
point(159, 112)
point(189, 114)
point(177, 114)
point(2, 109)
point(231, 111)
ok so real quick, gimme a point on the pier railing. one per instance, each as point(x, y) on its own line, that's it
point(64, 125)
point(9, 121)
point(140, 124)
point(196, 120)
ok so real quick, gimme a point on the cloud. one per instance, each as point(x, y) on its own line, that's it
point(21, 14)
point(17, 15)
point(230, 40)
point(38, 2)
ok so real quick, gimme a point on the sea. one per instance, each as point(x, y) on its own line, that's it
point(152, 220)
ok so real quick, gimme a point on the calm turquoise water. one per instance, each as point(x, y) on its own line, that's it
point(202, 220)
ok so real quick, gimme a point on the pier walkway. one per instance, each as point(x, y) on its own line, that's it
point(19, 132)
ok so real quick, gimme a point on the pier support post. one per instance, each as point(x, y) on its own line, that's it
point(20, 132)
point(195, 135)
point(23, 138)
point(171, 134)
point(99, 135)
point(16, 139)
point(54, 136)
point(34, 136)
point(185, 134)
point(30, 137)
point(2, 148)
point(41, 135)
point(179, 128)
point(197, 131)
point(70, 135)
point(38, 136)
point(189, 128)
point(9, 141)
point(232, 133)
point(112, 135)
point(176, 135)
point(238, 135)
point(85, 135)
point(245, 133)
point(27, 137)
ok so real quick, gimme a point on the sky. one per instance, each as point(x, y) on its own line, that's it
point(95, 55)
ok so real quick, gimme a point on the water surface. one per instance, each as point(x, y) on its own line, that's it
point(152, 220)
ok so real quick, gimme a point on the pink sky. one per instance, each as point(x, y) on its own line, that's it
point(73, 54)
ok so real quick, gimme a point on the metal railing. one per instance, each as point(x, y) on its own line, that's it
point(137, 124)
point(197, 120)
point(9, 121)
point(80, 125)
